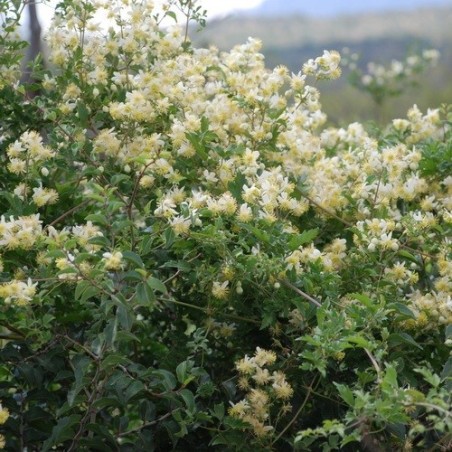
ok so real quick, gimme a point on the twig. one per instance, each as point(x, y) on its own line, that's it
point(300, 292)
point(331, 214)
point(69, 212)
point(222, 314)
point(147, 424)
point(374, 362)
point(308, 394)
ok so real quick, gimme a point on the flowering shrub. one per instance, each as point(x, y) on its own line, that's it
point(383, 82)
point(190, 259)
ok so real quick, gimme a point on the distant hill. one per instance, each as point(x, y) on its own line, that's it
point(294, 38)
point(334, 7)
point(432, 25)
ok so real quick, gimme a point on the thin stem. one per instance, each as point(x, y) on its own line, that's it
point(434, 407)
point(69, 212)
point(147, 424)
point(331, 214)
point(308, 394)
point(300, 292)
point(222, 314)
point(374, 362)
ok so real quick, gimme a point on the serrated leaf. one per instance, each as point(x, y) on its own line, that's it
point(429, 376)
point(346, 394)
point(390, 377)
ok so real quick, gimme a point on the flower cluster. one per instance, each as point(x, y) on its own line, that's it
point(382, 81)
point(264, 389)
point(4, 415)
point(326, 66)
point(17, 292)
point(203, 176)
point(20, 233)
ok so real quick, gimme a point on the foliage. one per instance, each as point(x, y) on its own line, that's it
point(191, 260)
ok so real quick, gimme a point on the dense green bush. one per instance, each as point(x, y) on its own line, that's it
point(191, 260)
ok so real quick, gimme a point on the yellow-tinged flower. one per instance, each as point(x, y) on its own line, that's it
point(246, 365)
point(42, 196)
point(180, 225)
point(264, 357)
point(258, 399)
point(262, 376)
point(4, 414)
point(220, 290)
point(239, 409)
point(113, 261)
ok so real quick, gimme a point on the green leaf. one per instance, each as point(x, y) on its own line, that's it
point(402, 338)
point(447, 370)
point(181, 371)
point(124, 316)
point(407, 255)
point(365, 300)
point(189, 399)
point(390, 377)
point(300, 239)
point(84, 290)
point(98, 218)
point(63, 431)
point(429, 376)
point(236, 186)
point(80, 288)
point(133, 258)
point(144, 295)
point(156, 284)
point(82, 113)
point(402, 309)
point(346, 394)
point(180, 265)
point(146, 245)
point(219, 411)
point(360, 342)
point(166, 378)
point(235, 423)
point(133, 389)
point(448, 332)
point(99, 240)
point(112, 360)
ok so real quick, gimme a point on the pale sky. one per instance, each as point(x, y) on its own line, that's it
point(221, 7)
point(215, 8)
